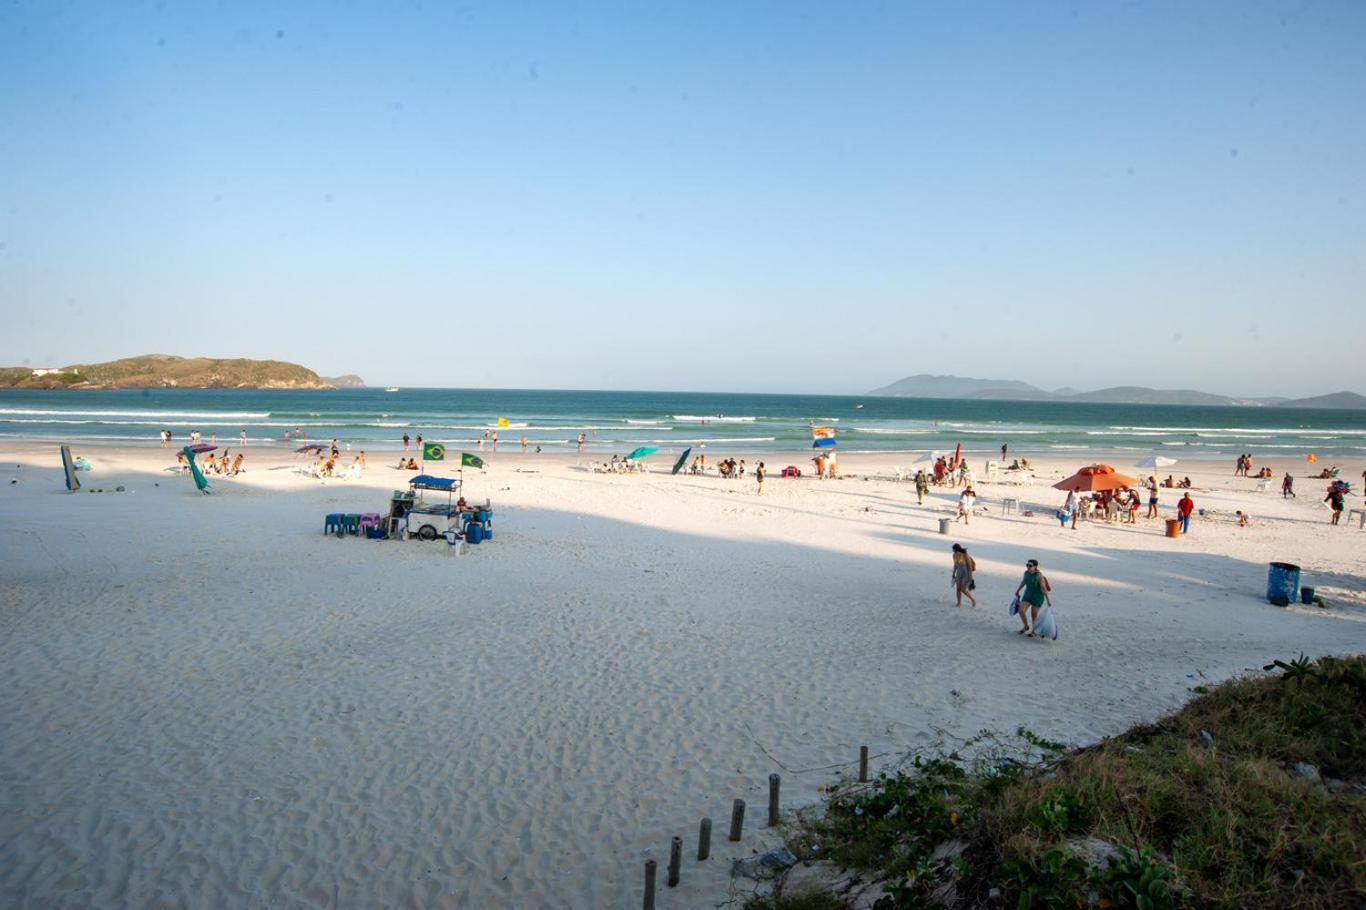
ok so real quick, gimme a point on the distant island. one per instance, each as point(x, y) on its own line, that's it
point(163, 371)
point(928, 386)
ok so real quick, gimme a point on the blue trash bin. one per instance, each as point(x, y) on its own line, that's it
point(474, 532)
point(1307, 596)
point(1282, 583)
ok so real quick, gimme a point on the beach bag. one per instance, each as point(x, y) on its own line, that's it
point(1015, 606)
point(1047, 626)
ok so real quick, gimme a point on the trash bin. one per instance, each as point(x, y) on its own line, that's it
point(1307, 595)
point(944, 524)
point(1282, 581)
point(1173, 527)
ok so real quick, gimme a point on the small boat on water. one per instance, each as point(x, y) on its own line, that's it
point(392, 389)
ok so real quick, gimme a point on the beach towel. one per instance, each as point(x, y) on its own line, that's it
point(1047, 626)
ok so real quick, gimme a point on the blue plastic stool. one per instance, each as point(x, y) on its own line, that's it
point(334, 522)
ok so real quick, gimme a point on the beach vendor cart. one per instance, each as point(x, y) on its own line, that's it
point(429, 520)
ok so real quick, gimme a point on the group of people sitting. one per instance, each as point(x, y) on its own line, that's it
point(730, 469)
point(327, 466)
point(1182, 484)
point(211, 465)
point(620, 465)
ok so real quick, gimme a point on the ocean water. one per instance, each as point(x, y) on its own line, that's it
point(619, 421)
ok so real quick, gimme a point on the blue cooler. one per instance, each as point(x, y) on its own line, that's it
point(1282, 583)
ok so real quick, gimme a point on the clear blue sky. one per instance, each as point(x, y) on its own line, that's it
point(732, 196)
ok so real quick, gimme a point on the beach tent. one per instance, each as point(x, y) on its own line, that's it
point(1155, 461)
point(641, 452)
point(199, 480)
point(1095, 478)
point(682, 460)
point(69, 468)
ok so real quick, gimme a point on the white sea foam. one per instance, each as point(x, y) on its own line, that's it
point(693, 418)
point(206, 415)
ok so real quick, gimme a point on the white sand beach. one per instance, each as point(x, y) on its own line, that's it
point(205, 701)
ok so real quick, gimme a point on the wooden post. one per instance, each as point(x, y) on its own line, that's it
point(704, 839)
point(774, 782)
point(737, 819)
point(863, 764)
point(675, 860)
point(650, 866)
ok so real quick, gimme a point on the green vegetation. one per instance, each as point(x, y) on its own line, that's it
point(164, 371)
point(1253, 795)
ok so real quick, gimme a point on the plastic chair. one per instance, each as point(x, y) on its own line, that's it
point(351, 522)
point(334, 523)
point(368, 520)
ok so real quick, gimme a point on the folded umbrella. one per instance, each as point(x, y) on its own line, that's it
point(682, 459)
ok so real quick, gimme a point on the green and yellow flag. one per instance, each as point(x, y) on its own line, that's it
point(433, 451)
point(470, 461)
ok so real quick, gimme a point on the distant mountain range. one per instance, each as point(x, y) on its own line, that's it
point(927, 386)
point(156, 371)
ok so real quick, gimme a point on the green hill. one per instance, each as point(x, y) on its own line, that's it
point(165, 371)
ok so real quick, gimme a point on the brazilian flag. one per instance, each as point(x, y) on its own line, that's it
point(433, 451)
point(470, 461)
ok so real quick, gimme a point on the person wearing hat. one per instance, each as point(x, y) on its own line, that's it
point(963, 568)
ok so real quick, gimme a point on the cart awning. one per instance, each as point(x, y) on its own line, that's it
point(427, 481)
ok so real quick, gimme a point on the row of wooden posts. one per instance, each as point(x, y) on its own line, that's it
point(737, 825)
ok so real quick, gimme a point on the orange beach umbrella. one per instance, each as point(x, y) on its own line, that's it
point(1094, 479)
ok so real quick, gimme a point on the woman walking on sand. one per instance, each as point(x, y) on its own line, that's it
point(965, 504)
point(963, 568)
point(1033, 592)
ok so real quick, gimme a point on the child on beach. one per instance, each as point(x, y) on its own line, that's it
point(963, 568)
point(1033, 592)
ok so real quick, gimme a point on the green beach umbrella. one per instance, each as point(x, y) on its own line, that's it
point(682, 459)
point(642, 452)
